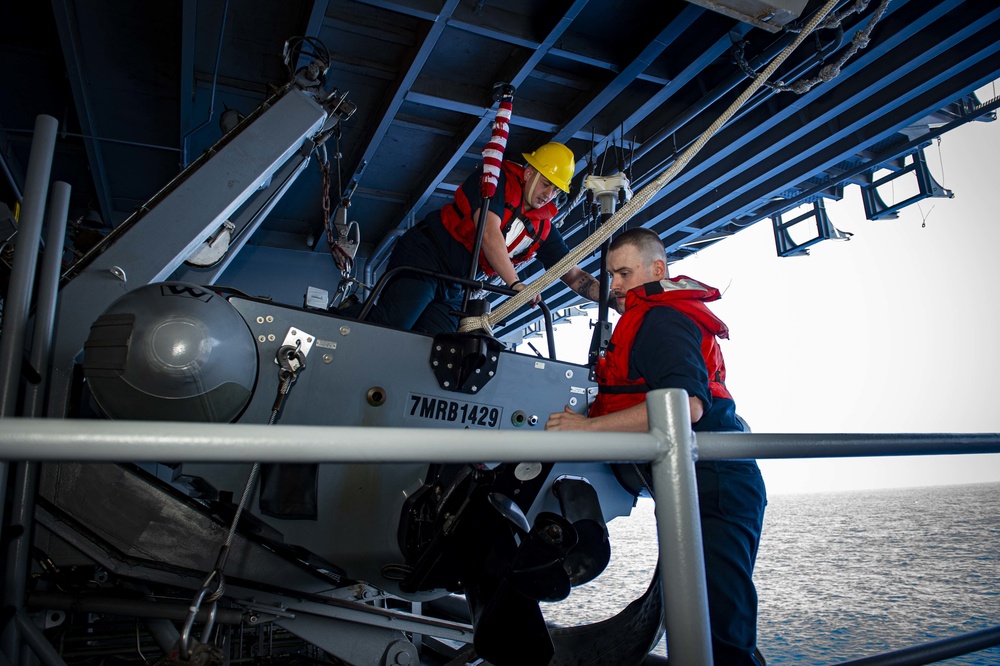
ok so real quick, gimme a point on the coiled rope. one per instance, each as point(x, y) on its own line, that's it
point(485, 322)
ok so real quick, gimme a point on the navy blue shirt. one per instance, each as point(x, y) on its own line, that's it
point(667, 354)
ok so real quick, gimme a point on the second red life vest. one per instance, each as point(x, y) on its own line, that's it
point(615, 390)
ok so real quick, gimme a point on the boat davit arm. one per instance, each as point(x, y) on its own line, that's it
point(258, 160)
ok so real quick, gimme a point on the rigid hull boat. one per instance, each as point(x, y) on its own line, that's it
point(213, 253)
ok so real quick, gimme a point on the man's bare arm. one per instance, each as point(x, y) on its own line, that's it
point(631, 419)
point(583, 283)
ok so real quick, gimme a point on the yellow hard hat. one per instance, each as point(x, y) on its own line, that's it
point(554, 161)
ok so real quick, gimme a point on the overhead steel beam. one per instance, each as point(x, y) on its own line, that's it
point(189, 21)
point(426, 10)
point(940, 68)
point(854, 175)
point(514, 33)
point(471, 133)
point(627, 74)
point(832, 150)
point(861, 78)
point(868, 96)
point(76, 71)
point(655, 155)
point(378, 131)
point(714, 50)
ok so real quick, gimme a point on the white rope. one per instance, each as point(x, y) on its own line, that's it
point(508, 307)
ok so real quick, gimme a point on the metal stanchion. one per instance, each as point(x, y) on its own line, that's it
point(47, 293)
point(678, 528)
point(16, 308)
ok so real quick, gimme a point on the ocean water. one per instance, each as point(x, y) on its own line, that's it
point(842, 575)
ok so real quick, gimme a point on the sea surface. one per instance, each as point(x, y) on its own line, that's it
point(842, 575)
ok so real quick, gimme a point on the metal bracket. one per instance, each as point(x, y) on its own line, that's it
point(611, 191)
point(876, 208)
point(299, 339)
point(464, 362)
point(825, 230)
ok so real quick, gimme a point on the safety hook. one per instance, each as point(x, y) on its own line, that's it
point(291, 360)
point(195, 607)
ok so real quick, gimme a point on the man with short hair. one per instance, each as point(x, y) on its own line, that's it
point(666, 338)
point(518, 228)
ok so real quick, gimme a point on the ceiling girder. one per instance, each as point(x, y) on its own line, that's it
point(473, 129)
point(861, 96)
point(627, 74)
point(76, 71)
point(385, 115)
point(717, 189)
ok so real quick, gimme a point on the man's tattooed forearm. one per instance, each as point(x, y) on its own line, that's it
point(588, 287)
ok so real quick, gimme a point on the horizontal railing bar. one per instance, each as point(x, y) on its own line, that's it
point(138, 441)
point(929, 653)
point(720, 446)
point(151, 441)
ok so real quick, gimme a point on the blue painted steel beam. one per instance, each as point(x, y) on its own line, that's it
point(832, 150)
point(870, 132)
point(426, 10)
point(736, 139)
point(945, 82)
point(468, 137)
point(628, 73)
point(527, 41)
point(189, 22)
point(685, 76)
point(72, 48)
point(769, 130)
point(854, 175)
point(402, 87)
point(862, 99)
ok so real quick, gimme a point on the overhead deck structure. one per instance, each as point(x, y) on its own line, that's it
point(141, 89)
point(184, 129)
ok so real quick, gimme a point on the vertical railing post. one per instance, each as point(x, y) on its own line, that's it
point(22, 278)
point(47, 294)
point(678, 527)
point(15, 318)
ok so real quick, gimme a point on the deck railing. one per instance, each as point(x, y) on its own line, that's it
point(670, 447)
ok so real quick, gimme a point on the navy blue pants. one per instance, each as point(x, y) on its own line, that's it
point(732, 498)
point(414, 302)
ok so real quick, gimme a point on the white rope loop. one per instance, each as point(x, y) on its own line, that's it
point(508, 307)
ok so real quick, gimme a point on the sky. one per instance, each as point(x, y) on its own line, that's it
point(892, 331)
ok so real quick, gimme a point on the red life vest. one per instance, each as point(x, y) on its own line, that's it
point(523, 230)
point(615, 390)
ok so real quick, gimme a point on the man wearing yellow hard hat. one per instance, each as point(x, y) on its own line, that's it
point(518, 227)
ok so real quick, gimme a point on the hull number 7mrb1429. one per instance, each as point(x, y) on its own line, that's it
point(460, 412)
